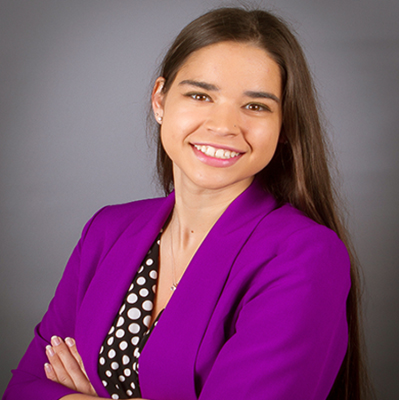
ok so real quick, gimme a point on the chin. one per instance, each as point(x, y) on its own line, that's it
point(219, 183)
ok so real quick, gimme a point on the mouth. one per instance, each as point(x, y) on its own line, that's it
point(222, 154)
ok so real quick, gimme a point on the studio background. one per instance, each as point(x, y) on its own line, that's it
point(75, 78)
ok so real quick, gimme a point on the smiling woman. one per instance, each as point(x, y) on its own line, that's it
point(237, 283)
point(223, 101)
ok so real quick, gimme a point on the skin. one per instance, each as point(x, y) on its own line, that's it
point(226, 96)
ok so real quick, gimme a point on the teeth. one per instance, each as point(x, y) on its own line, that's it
point(216, 153)
point(210, 151)
point(219, 153)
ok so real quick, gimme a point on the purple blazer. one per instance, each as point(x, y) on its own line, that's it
point(260, 312)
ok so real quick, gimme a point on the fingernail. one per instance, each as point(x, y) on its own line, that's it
point(49, 350)
point(55, 341)
point(47, 367)
point(69, 341)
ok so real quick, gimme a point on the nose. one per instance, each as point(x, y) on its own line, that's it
point(223, 119)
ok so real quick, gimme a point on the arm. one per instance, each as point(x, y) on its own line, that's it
point(66, 367)
point(290, 335)
point(29, 379)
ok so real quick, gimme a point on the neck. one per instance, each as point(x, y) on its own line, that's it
point(197, 210)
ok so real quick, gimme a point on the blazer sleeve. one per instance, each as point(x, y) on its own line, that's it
point(290, 333)
point(29, 380)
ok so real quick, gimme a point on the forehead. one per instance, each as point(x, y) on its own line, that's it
point(231, 62)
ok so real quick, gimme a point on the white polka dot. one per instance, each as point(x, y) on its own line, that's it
point(123, 345)
point(122, 378)
point(132, 298)
point(150, 261)
point(101, 349)
point(144, 292)
point(125, 359)
point(154, 288)
point(131, 287)
point(122, 309)
point(141, 281)
point(120, 333)
point(115, 396)
point(114, 365)
point(112, 353)
point(136, 353)
point(111, 330)
point(105, 383)
point(102, 360)
point(129, 392)
point(108, 373)
point(120, 322)
point(135, 366)
point(110, 340)
point(134, 313)
point(132, 385)
point(134, 328)
point(135, 340)
point(117, 386)
point(127, 372)
point(153, 274)
point(140, 270)
point(147, 320)
point(147, 305)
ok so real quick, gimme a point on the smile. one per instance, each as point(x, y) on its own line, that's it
point(216, 153)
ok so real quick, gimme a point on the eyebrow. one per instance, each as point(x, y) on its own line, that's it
point(202, 85)
point(249, 93)
point(262, 95)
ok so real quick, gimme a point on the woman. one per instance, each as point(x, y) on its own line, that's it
point(238, 283)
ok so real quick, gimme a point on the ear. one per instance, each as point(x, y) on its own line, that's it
point(157, 99)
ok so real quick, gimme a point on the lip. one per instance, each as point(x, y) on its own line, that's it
point(213, 161)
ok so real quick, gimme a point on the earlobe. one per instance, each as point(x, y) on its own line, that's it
point(157, 98)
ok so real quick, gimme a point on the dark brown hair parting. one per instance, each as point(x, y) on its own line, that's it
point(299, 172)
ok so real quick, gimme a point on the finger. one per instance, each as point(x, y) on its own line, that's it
point(74, 351)
point(49, 371)
point(59, 374)
point(71, 366)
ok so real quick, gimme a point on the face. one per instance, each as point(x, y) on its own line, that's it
point(221, 117)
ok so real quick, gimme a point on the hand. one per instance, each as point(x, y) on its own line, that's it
point(66, 367)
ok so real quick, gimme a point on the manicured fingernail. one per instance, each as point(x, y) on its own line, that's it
point(50, 350)
point(55, 341)
point(47, 367)
point(69, 341)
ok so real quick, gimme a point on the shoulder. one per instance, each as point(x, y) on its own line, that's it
point(289, 245)
point(111, 222)
point(116, 218)
point(286, 225)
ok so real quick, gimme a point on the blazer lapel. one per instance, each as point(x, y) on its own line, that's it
point(111, 282)
point(168, 359)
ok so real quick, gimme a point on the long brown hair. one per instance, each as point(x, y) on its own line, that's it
point(299, 172)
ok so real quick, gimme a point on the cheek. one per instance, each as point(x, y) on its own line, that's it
point(179, 124)
point(266, 139)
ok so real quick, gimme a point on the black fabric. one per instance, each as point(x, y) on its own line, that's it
point(118, 362)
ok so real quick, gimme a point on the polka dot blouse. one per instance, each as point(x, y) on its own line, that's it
point(118, 362)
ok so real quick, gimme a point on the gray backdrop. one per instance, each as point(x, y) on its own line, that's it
point(74, 85)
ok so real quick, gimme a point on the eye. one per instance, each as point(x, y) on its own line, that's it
point(199, 96)
point(257, 107)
